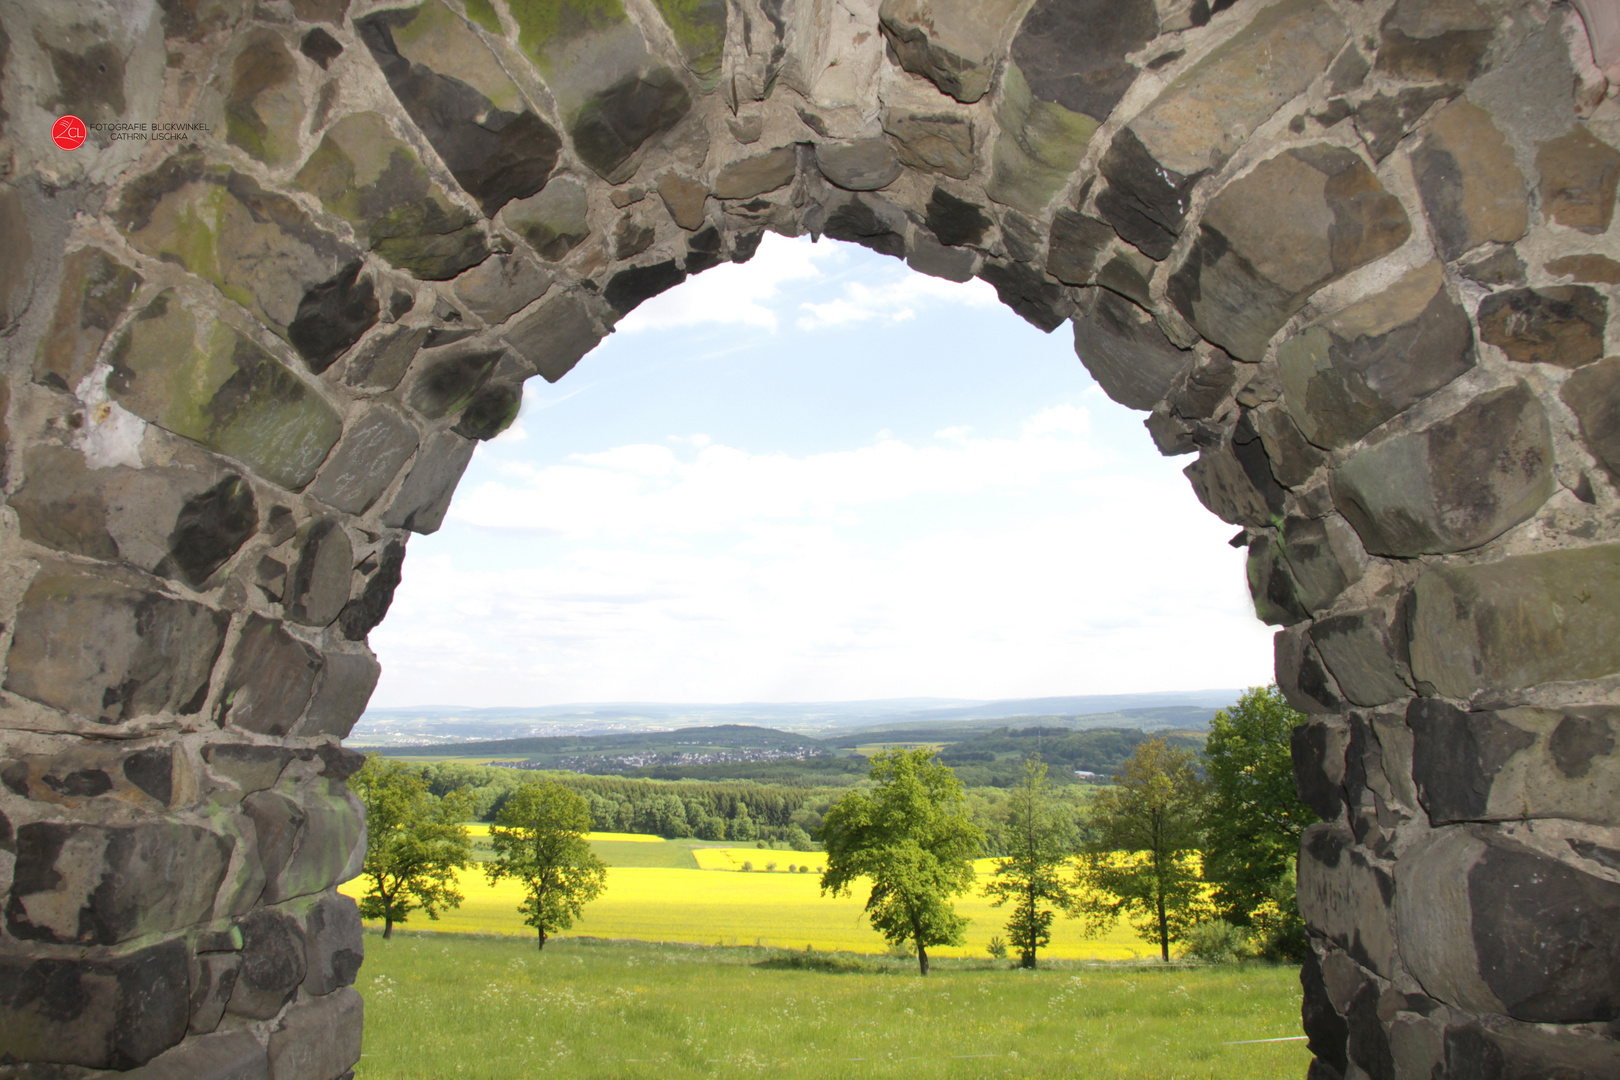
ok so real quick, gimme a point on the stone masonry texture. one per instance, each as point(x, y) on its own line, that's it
point(1356, 258)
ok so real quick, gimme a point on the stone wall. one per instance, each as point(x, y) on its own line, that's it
point(1357, 256)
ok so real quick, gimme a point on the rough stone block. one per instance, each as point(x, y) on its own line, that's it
point(318, 587)
point(952, 43)
point(102, 885)
point(1324, 557)
point(1025, 289)
point(1271, 583)
point(1268, 240)
point(1293, 460)
point(751, 176)
point(1562, 326)
point(1345, 896)
point(1470, 184)
point(273, 964)
point(234, 1055)
point(347, 681)
point(367, 610)
point(367, 176)
point(383, 361)
point(1350, 372)
point(330, 845)
point(271, 679)
point(460, 98)
point(1593, 394)
point(95, 291)
point(115, 1012)
point(265, 108)
point(373, 450)
point(1425, 41)
point(250, 766)
point(318, 1038)
point(424, 497)
point(1124, 349)
point(1073, 53)
point(213, 385)
point(335, 946)
point(699, 30)
point(1455, 484)
point(501, 286)
point(927, 256)
point(629, 289)
point(1578, 179)
point(932, 140)
point(1076, 243)
point(332, 316)
point(1518, 622)
point(1039, 147)
point(1360, 647)
point(107, 652)
point(554, 222)
point(1301, 676)
point(213, 978)
point(860, 165)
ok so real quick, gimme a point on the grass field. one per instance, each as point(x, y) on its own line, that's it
point(656, 892)
point(492, 1008)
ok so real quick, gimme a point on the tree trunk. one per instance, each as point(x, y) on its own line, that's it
point(1164, 932)
point(388, 927)
point(542, 932)
point(922, 959)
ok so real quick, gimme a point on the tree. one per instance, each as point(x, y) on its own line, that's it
point(912, 838)
point(415, 843)
point(1254, 817)
point(539, 839)
point(1040, 837)
point(1142, 857)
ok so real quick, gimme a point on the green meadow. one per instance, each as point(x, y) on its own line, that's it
point(475, 1006)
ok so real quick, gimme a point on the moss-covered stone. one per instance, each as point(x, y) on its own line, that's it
point(95, 291)
point(366, 175)
point(1040, 146)
point(554, 222)
point(211, 384)
point(265, 108)
point(699, 27)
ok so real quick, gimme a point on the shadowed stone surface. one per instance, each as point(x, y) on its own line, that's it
point(1442, 42)
point(96, 289)
point(265, 109)
point(1562, 326)
point(952, 44)
point(271, 678)
point(1578, 179)
point(424, 497)
point(318, 586)
point(554, 221)
point(1593, 394)
point(1470, 184)
point(371, 454)
point(1124, 349)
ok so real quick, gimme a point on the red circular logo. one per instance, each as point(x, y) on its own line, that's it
point(68, 132)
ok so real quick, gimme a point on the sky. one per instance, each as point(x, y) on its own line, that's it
point(819, 476)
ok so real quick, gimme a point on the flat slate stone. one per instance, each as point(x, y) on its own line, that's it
point(1076, 242)
point(95, 291)
point(1455, 484)
point(271, 678)
point(1124, 350)
point(1297, 221)
point(952, 43)
point(861, 165)
point(424, 497)
point(447, 384)
point(264, 110)
point(332, 316)
point(610, 128)
point(229, 395)
point(1024, 289)
point(1350, 372)
point(683, 197)
point(628, 289)
point(932, 140)
point(1562, 325)
point(136, 653)
point(955, 222)
point(365, 611)
point(554, 222)
point(751, 176)
point(1593, 395)
point(1072, 52)
point(555, 336)
point(318, 586)
point(234, 1055)
point(1469, 181)
point(1518, 622)
point(347, 681)
point(1039, 146)
point(373, 450)
point(1578, 179)
point(1434, 42)
point(460, 98)
point(1357, 647)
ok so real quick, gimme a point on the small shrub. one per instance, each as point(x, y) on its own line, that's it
point(747, 865)
point(900, 950)
point(997, 948)
point(1215, 941)
point(793, 868)
point(804, 869)
point(770, 867)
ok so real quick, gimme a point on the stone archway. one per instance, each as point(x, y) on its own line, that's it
point(1355, 256)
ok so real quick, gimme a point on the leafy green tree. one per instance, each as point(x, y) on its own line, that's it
point(1039, 837)
point(539, 839)
point(415, 843)
point(1142, 858)
point(1254, 817)
point(912, 838)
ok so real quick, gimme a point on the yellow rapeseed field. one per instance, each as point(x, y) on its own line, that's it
point(726, 906)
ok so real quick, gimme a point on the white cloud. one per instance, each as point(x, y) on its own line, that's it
point(736, 293)
point(894, 301)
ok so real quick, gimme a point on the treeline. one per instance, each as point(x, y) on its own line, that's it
point(996, 758)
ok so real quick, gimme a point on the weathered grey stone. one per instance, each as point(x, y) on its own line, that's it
point(955, 222)
point(1026, 290)
point(461, 99)
point(1470, 184)
point(334, 945)
point(932, 141)
point(366, 175)
point(213, 978)
point(248, 765)
point(329, 848)
point(446, 385)
point(1346, 896)
point(700, 33)
point(424, 497)
point(683, 198)
point(101, 885)
point(927, 256)
point(554, 221)
point(213, 385)
point(1578, 179)
point(1293, 460)
point(95, 291)
point(1349, 373)
point(632, 237)
point(1075, 244)
point(265, 109)
point(1323, 557)
point(1593, 395)
point(610, 129)
point(72, 777)
point(1301, 676)
point(1503, 267)
point(1358, 647)
point(109, 653)
point(318, 587)
point(234, 1055)
point(271, 679)
point(278, 822)
point(1039, 147)
point(1127, 273)
point(952, 43)
point(366, 461)
point(1455, 484)
point(861, 165)
point(1439, 42)
point(1562, 325)
point(1201, 118)
point(501, 286)
point(555, 336)
point(1200, 392)
point(117, 1012)
point(382, 363)
point(1073, 53)
point(1271, 582)
point(750, 176)
point(491, 410)
point(1384, 119)
point(629, 289)
point(367, 610)
point(272, 966)
point(347, 680)
point(1317, 749)
point(1518, 622)
point(1530, 1050)
point(332, 316)
point(1234, 482)
point(318, 1038)
point(1296, 222)
point(1124, 349)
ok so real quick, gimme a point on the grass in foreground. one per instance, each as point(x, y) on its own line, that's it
point(443, 1005)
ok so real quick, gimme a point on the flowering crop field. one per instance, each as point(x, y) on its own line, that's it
point(656, 899)
point(493, 1008)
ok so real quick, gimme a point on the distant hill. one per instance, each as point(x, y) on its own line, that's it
point(443, 724)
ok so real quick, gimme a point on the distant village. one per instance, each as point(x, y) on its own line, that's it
point(616, 763)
